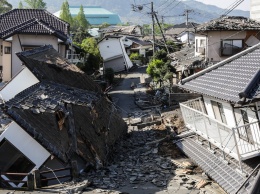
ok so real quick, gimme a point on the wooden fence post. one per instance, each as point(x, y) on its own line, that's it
point(37, 179)
point(74, 169)
point(30, 181)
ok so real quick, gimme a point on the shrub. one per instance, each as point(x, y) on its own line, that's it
point(135, 56)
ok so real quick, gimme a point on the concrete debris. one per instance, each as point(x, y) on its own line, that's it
point(141, 159)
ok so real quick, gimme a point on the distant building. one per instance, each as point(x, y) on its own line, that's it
point(255, 10)
point(96, 15)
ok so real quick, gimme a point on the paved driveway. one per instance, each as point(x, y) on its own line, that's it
point(123, 95)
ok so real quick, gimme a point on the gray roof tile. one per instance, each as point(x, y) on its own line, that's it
point(228, 78)
point(31, 21)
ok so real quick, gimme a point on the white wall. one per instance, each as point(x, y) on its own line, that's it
point(6, 62)
point(26, 144)
point(129, 63)
point(110, 47)
point(36, 40)
point(228, 110)
point(20, 82)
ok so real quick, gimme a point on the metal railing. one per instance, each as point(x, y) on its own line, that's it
point(237, 141)
point(74, 58)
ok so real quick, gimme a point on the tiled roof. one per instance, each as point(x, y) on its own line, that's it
point(48, 65)
point(66, 111)
point(229, 80)
point(179, 28)
point(231, 23)
point(128, 30)
point(138, 41)
point(34, 109)
point(32, 21)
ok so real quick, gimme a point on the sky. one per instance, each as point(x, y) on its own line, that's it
point(245, 5)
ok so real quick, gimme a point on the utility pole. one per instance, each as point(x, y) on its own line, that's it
point(164, 39)
point(152, 12)
point(187, 11)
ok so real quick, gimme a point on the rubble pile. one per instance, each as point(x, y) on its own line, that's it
point(137, 161)
point(147, 156)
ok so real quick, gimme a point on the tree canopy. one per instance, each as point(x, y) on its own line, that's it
point(65, 13)
point(35, 4)
point(94, 59)
point(159, 68)
point(20, 5)
point(81, 18)
point(5, 6)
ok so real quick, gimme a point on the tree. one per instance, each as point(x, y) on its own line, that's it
point(79, 35)
point(160, 68)
point(109, 75)
point(35, 4)
point(104, 25)
point(20, 5)
point(5, 6)
point(81, 18)
point(65, 13)
point(94, 59)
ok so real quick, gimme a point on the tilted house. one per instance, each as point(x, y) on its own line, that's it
point(113, 52)
point(62, 117)
point(24, 29)
point(225, 121)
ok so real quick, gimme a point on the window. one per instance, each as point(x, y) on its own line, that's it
point(231, 47)
point(245, 132)
point(7, 50)
point(29, 47)
point(218, 110)
point(13, 161)
point(200, 46)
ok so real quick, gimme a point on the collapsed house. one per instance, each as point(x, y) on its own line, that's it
point(223, 124)
point(62, 116)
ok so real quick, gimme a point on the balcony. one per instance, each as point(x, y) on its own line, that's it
point(74, 58)
point(233, 141)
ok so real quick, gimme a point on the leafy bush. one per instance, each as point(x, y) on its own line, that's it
point(135, 56)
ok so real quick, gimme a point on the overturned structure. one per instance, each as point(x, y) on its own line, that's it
point(60, 116)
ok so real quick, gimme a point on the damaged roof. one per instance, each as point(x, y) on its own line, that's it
point(66, 111)
point(234, 79)
point(179, 28)
point(32, 21)
point(48, 65)
point(229, 23)
point(185, 58)
point(139, 41)
point(124, 30)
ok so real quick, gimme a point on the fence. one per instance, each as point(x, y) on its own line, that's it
point(30, 181)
